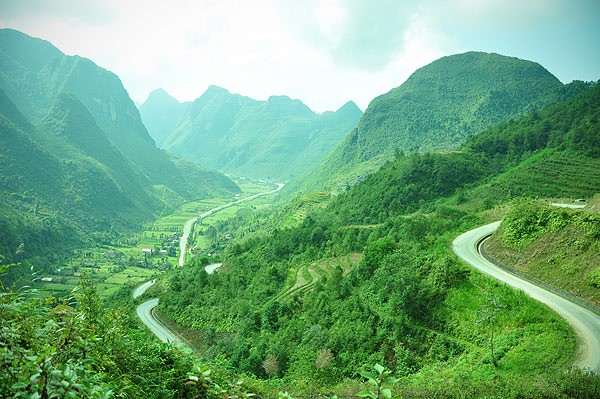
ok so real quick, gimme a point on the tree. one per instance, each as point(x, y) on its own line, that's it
point(489, 315)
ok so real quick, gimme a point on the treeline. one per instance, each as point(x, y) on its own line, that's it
point(394, 291)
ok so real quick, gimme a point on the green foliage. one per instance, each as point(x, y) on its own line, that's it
point(556, 245)
point(404, 185)
point(572, 124)
point(377, 378)
point(200, 384)
point(79, 348)
point(528, 220)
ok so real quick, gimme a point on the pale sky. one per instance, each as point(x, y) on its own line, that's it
point(323, 52)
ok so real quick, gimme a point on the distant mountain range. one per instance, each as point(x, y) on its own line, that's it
point(437, 108)
point(276, 139)
point(75, 154)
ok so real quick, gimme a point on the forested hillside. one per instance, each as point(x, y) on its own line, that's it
point(437, 108)
point(408, 304)
point(34, 73)
point(326, 296)
point(78, 166)
point(276, 139)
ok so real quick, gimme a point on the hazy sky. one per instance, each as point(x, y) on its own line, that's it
point(323, 52)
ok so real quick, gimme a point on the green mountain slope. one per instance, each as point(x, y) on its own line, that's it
point(78, 166)
point(33, 74)
point(276, 139)
point(161, 113)
point(437, 108)
point(65, 174)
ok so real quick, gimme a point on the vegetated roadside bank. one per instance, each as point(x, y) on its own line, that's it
point(556, 245)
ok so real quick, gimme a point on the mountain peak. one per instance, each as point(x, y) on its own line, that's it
point(279, 99)
point(349, 108)
point(213, 91)
point(160, 95)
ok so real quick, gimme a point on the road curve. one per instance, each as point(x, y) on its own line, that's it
point(187, 227)
point(144, 312)
point(585, 323)
point(140, 290)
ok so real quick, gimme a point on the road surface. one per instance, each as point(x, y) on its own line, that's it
point(585, 323)
point(144, 312)
point(139, 291)
point(210, 269)
point(187, 227)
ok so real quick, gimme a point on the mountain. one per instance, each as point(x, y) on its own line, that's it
point(33, 73)
point(59, 185)
point(78, 166)
point(277, 138)
point(161, 113)
point(437, 108)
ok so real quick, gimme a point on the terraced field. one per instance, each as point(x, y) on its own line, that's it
point(307, 276)
point(306, 203)
point(566, 174)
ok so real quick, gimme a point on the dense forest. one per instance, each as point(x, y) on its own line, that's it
point(402, 305)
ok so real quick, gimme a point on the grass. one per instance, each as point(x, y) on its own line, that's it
point(529, 341)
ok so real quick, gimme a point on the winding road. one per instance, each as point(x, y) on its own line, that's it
point(187, 227)
point(146, 309)
point(585, 323)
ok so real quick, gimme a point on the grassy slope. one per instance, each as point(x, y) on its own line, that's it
point(566, 256)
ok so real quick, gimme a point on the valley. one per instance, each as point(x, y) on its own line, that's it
point(145, 310)
point(347, 264)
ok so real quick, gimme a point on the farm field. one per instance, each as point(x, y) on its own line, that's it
point(145, 254)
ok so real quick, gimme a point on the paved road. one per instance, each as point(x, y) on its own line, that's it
point(585, 323)
point(187, 227)
point(144, 312)
point(139, 291)
point(210, 269)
